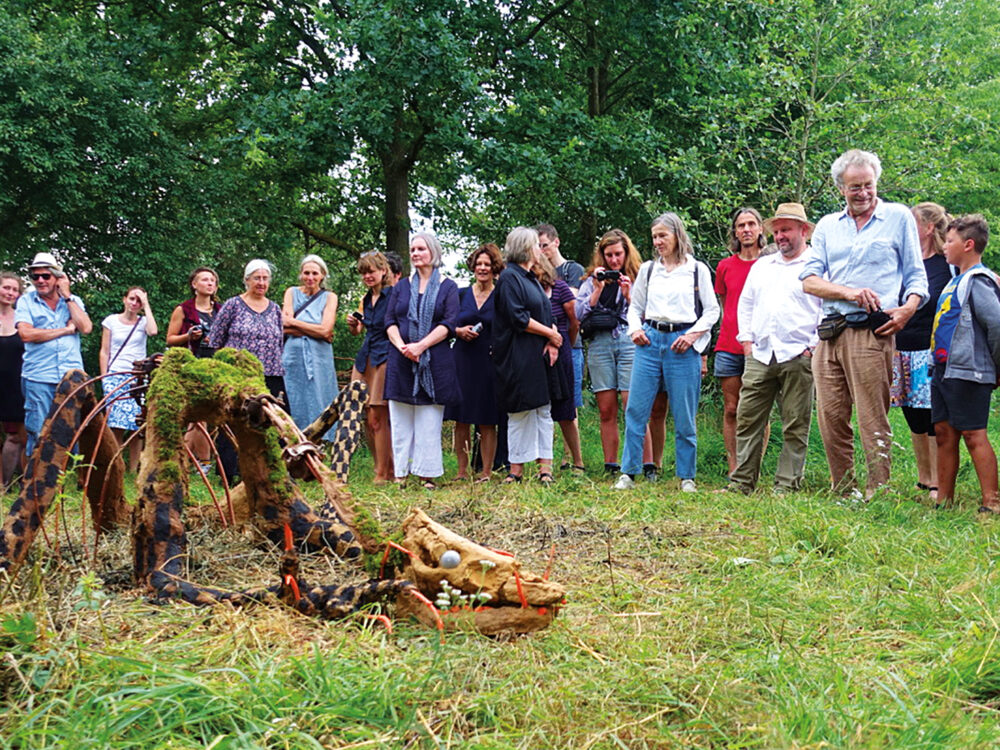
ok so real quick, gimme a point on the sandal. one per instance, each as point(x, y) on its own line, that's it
point(481, 480)
point(926, 487)
point(546, 478)
point(578, 469)
point(512, 478)
point(564, 466)
point(429, 484)
point(988, 510)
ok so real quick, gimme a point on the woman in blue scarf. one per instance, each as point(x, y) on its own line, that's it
point(420, 378)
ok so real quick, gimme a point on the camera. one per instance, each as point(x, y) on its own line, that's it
point(358, 316)
point(608, 275)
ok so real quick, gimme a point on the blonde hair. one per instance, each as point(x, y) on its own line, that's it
point(935, 215)
point(614, 237)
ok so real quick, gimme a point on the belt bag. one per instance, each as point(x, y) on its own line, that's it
point(831, 326)
point(598, 319)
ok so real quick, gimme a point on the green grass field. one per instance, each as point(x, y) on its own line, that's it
point(704, 620)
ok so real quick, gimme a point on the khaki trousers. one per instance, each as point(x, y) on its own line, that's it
point(854, 369)
point(791, 383)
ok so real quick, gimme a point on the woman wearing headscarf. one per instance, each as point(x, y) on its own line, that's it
point(420, 378)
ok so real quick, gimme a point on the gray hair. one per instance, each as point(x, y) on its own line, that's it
point(433, 244)
point(520, 245)
point(673, 222)
point(257, 264)
point(313, 258)
point(854, 158)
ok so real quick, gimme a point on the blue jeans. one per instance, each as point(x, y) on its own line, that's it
point(655, 368)
point(578, 377)
point(37, 402)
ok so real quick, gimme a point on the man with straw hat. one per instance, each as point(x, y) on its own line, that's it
point(777, 328)
point(49, 320)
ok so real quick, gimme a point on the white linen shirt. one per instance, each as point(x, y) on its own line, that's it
point(774, 314)
point(669, 298)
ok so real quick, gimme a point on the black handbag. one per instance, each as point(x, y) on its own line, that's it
point(598, 319)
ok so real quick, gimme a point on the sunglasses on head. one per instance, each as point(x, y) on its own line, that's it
point(37, 276)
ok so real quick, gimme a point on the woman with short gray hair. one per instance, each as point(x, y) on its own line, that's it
point(525, 347)
point(420, 376)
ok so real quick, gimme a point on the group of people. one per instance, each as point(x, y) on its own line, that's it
point(873, 305)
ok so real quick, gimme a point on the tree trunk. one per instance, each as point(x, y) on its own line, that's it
point(396, 179)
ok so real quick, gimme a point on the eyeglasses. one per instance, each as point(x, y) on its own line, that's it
point(857, 189)
point(37, 276)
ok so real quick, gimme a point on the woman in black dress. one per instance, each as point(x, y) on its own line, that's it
point(473, 366)
point(525, 348)
point(12, 432)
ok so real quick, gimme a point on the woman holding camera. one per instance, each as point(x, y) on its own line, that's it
point(670, 320)
point(601, 306)
point(473, 365)
point(190, 324)
point(370, 362)
point(308, 313)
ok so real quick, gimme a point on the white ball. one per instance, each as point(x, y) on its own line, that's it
point(450, 559)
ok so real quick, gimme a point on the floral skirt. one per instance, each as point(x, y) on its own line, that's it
point(911, 380)
point(122, 411)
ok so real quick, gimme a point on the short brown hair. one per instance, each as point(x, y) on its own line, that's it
point(548, 230)
point(972, 227)
point(492, 252)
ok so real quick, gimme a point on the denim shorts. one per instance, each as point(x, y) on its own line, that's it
point(609, 361)
point(729, 365)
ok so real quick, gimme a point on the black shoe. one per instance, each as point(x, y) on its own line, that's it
point(612, 468)
point(651, 472)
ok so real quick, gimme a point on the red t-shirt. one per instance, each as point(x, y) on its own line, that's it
point(730, 276)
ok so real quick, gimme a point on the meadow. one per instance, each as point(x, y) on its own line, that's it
point(707, 620)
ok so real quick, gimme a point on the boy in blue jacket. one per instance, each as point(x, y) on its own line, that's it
point(965, 344)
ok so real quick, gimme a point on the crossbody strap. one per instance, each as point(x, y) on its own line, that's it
point(131, 331)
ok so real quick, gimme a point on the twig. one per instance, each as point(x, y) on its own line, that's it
point(611, 570)
point(9, 657)
point(597, 737)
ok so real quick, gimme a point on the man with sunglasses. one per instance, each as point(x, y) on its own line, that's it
point(867, 268)
point(49, 320)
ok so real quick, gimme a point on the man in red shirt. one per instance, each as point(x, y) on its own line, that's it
point(746, 239)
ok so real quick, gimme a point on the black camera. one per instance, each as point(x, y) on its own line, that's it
point(608, 275)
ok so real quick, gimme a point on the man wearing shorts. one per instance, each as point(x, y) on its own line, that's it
point(746, 238)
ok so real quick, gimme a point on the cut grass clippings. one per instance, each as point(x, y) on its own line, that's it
point(694, 620)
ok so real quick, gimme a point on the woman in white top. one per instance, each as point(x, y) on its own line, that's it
point(123, 341)
point(670, 318)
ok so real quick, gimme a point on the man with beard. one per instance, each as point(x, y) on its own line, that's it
point(777, 330)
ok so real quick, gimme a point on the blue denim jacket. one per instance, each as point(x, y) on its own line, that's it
point(884, 256)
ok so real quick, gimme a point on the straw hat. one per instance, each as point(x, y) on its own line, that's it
point(793, 211)
point(45, 260)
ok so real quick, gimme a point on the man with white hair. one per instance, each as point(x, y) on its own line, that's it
point(49, 320)
point(776, 326)
point(867, 268)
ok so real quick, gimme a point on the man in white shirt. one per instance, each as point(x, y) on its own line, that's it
point(777, 328)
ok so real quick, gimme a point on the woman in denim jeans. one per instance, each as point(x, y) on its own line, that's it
point(670, 321)
point(604, 295)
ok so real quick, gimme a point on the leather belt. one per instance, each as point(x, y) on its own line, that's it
point(664, 327)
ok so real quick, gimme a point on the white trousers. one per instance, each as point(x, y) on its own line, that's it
point(529, 435)
point(416, 439)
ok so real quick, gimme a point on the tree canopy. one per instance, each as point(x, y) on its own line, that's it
point(142, 137)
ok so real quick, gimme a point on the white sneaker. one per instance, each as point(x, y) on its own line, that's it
point(624, 482)
point(687, 485)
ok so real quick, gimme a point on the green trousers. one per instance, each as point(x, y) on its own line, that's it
point(791, 384)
